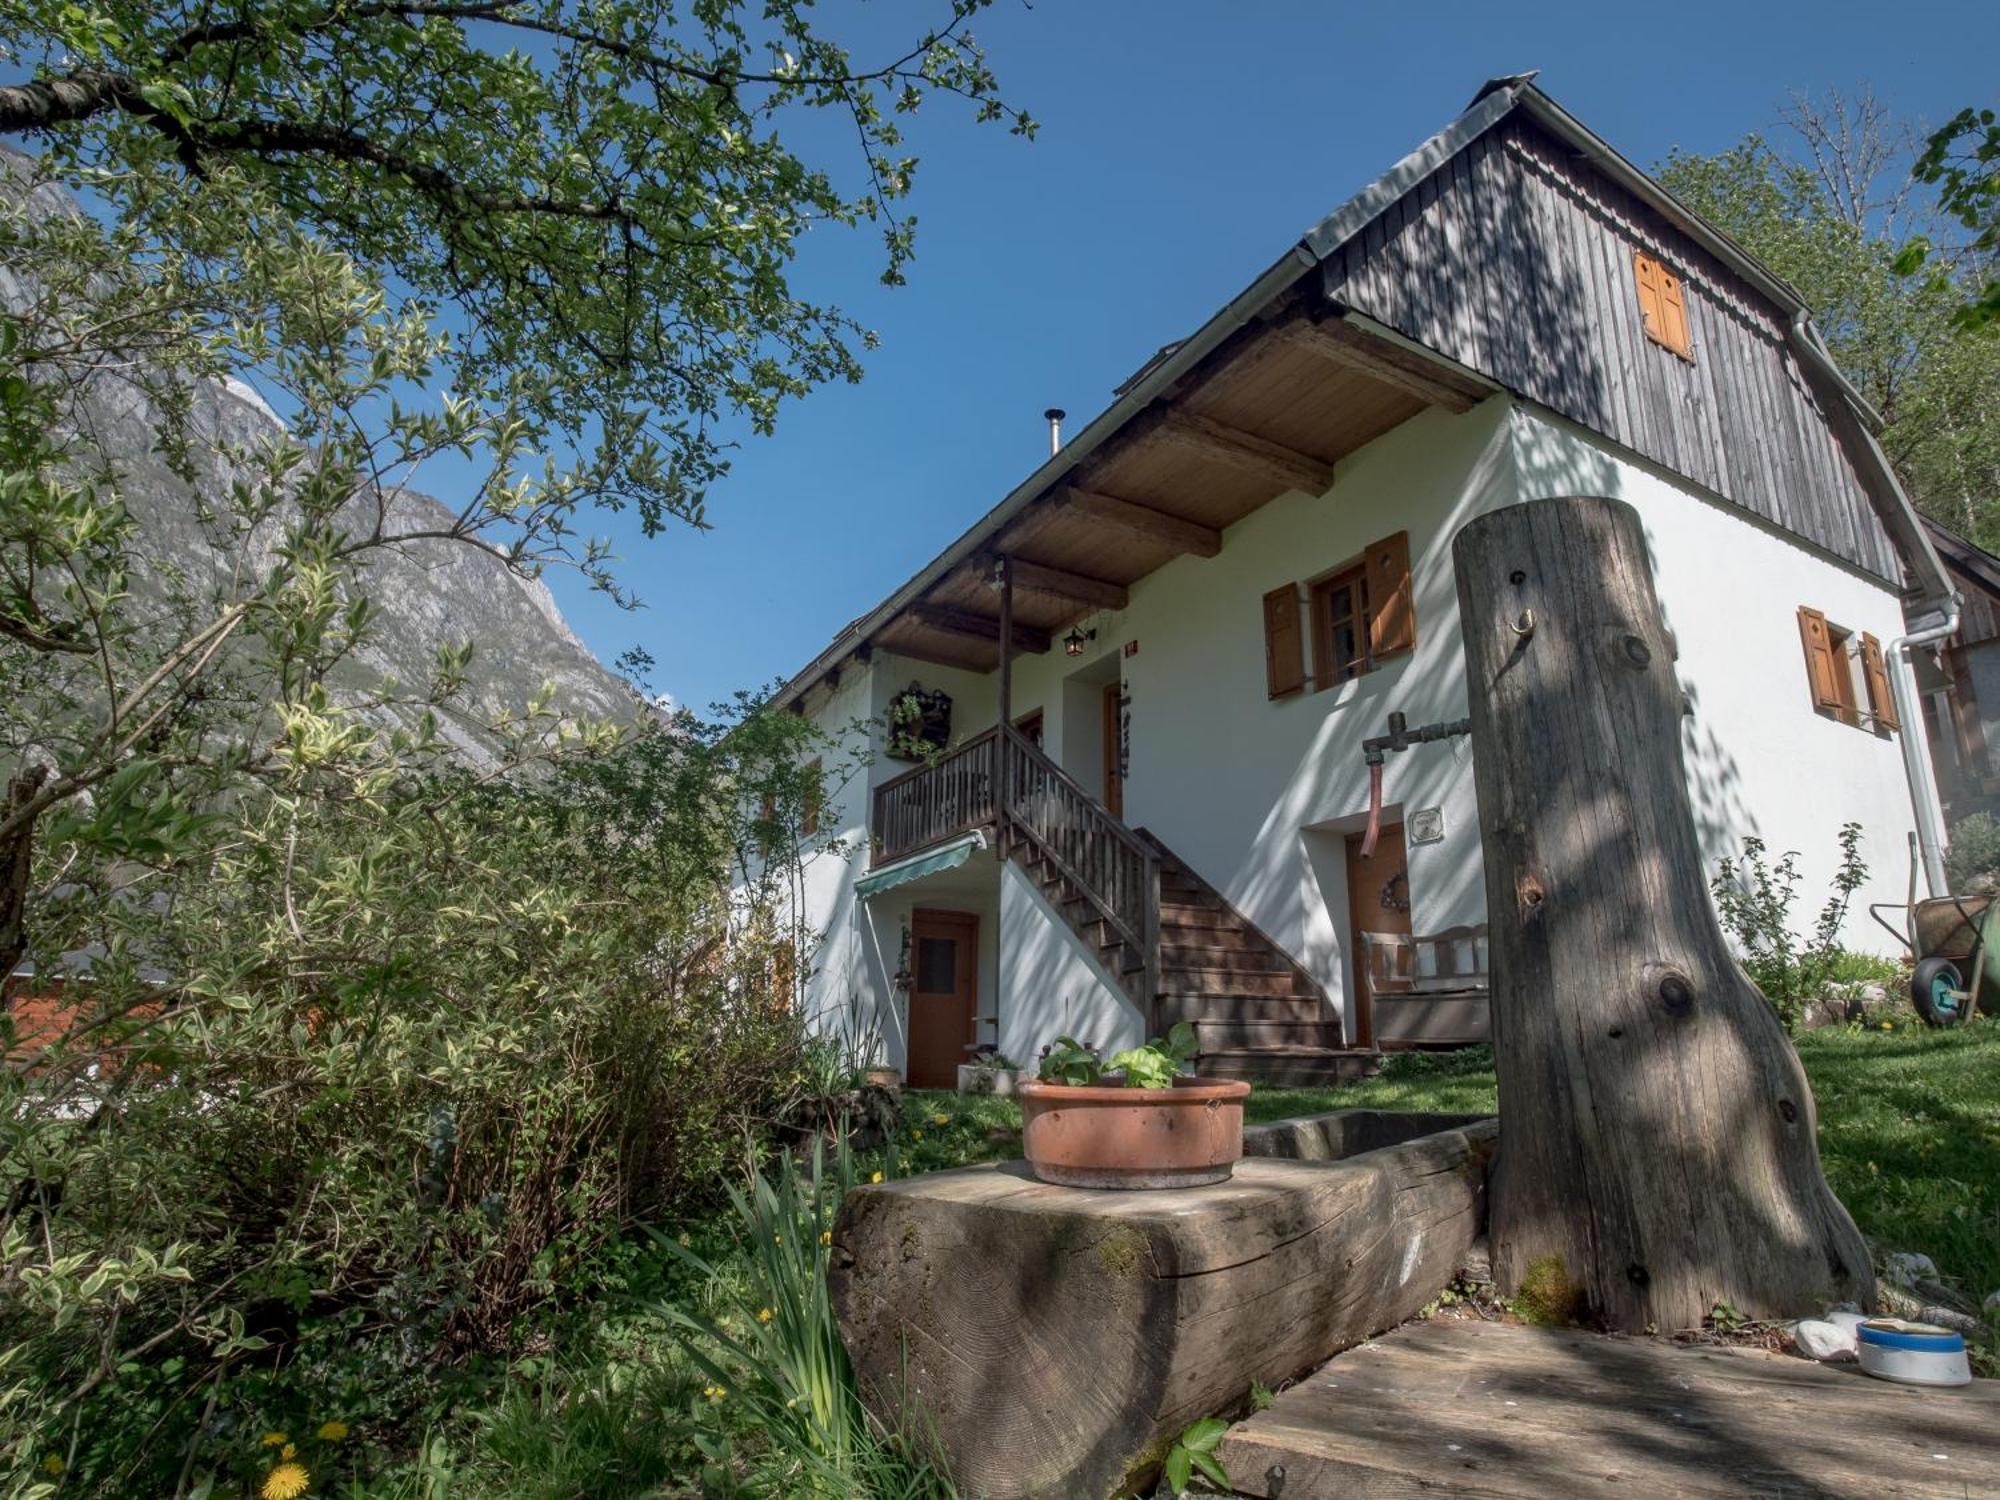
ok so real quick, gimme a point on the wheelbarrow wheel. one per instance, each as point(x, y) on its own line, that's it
point(1939, 992)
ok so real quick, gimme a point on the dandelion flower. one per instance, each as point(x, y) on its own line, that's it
point(286, 1482)
point(275, 1440)
point(764, 1315)
point(940, 1119)
point(714, 1392)
point(1888, 1025)
point(290, 1450)
point(331, 1432)
point(916, 1135)
point(874, 1176)
point(826, 1236)
point(777, 1239)
point(53, 1466)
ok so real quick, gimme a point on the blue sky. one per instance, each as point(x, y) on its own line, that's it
point(1184, 144)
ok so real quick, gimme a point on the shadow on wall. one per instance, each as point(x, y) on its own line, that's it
point(1280, 879)
point(1551, 465)
point(1051, 984)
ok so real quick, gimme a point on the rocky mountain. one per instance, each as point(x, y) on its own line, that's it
point(426, 593)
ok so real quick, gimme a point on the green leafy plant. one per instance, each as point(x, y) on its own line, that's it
point(1193, 1453)
point(775, 1352)
point(1755, 897)
point(1153, 1066)
point(1974, 850)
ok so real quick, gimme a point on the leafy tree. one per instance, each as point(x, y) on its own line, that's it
point(599, 190)
point(1826, 205)
point(1962, 160)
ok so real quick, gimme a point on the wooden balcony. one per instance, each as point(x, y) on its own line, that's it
point(1102, 875)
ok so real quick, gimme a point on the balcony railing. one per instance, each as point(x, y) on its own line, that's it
point(1041, 818)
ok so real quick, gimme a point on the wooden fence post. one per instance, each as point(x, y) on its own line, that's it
point(1658, 1151)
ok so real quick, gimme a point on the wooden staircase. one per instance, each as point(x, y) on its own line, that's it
point(1182, 951)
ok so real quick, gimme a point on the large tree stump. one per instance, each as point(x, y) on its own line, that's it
point(1054, 1341)
point(1660, 1134)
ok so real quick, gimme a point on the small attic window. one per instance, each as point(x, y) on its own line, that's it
point(1662, 308)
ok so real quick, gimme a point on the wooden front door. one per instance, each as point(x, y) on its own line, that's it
point(944, 995)
point(1378, 900)
point(1113, 737)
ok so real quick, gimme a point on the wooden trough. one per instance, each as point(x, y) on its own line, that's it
point(1054, 1341)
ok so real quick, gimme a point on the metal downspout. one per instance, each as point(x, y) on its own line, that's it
point(1916, 741)
point(1914, 736)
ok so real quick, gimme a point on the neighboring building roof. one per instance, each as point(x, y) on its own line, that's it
point(1162, 376)
point(1965, 558)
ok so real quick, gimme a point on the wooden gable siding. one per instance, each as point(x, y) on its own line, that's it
point(1516, 259)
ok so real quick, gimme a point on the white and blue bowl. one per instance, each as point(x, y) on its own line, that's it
point(1914, 1353)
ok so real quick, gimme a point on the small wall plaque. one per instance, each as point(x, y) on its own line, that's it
point(1427, 825)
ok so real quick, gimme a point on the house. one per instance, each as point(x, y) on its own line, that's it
point(1961, 688)
point(1130, 700)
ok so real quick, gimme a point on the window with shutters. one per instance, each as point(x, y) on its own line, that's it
point(1662, 305)
point(1354, 618)
point(1340, 621)
point(1847, 674)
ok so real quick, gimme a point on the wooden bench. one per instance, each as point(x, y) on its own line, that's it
point(1428, 989)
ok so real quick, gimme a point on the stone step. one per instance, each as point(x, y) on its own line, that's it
point(1239, 1036)
point(1290, 1067)
point(1278, 984)
point(1246, 956)
point(1199, 1008)
point(1197, 917)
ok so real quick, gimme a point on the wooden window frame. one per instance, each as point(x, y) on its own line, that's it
point(1326, 672)
point(1854, 687)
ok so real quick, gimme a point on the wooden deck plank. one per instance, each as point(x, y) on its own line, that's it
point(1453, 1407)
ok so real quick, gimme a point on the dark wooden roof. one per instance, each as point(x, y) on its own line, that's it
point(1495, 256)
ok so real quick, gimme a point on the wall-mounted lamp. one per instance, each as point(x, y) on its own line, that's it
point(1073, 642)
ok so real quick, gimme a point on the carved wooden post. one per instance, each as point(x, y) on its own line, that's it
point(1657, 1131)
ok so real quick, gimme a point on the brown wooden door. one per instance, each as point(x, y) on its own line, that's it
point(944, 995)
point(1378, 900)
point(1114, 780)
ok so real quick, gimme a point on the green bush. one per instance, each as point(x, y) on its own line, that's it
point(362, 1095)
point(1974, 850)
point(1754, 898)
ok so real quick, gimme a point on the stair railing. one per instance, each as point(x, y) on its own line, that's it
point(1045, 813)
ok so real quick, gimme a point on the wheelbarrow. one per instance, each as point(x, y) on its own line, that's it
point(1949, 937)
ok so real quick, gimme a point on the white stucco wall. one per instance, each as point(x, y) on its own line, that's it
point(1052, 985)
point(1257, 795)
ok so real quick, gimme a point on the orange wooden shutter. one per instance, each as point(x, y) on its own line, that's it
point(1392, 624)
point(1647, 272)
point(1284, 643)
point(1673, 312)
point(1821, 662)
point(1874, 667)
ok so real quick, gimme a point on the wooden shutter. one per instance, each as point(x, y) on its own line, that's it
point(1673, 313)
point(1284, 643)
point(1662, 307)
point(1392, 615)
point(1646, 271)
point(1821, 661)
point(1875, 667)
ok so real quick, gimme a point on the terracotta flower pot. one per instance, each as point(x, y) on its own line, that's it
point(1100, 1136)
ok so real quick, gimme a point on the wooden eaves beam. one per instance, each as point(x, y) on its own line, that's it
point(1078, 588)
point(1352, 348)
point(1285, 467)
point(1141, 521)
point(947, 620)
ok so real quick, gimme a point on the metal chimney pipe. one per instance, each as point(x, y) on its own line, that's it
point(1055, 415)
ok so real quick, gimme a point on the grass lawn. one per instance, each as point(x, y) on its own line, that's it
point(1909, 1130)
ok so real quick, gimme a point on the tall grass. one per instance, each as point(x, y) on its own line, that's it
point(777, 1352)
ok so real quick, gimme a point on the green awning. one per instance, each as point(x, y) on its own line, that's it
point(944, 857)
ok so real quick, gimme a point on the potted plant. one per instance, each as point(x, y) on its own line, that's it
point(1132, 1122)
point(990, 1072)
